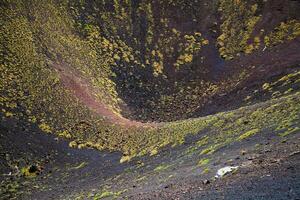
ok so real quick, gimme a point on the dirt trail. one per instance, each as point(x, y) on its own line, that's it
point(82, 90)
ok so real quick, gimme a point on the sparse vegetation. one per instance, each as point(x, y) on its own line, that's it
point(92, 72)
point(285, 31)
point(203, 162)
point(248, 134)
point(161, 168)
point(237, 27)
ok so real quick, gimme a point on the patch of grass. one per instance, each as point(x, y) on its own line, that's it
point(211, 149)
point(161, 168)
point(10, 189)
point(203, 162)
point(153, 152)
point(205, 171)
point(285, 31)
point(81, 165)
point(290, 131)
point(237, 28)
point(266, 86)
point(248, 134)
point(203, 141)
point(73, 144)
point(141, 178)
point(29, 171)
point(125, 159)
point(45, 128)
point(105, 194)
point(111, 194)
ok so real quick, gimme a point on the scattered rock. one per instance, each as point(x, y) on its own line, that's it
point(252, 157)
point(225, 170)
point(247, 163)
point(243, 152)
point(294, 153)
point(166, 187)
point(206, 182)
point(230, 161)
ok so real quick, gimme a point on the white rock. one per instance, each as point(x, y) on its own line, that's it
point(225, 170)
point(264, 48)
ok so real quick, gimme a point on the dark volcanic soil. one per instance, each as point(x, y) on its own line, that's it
point(266, 179)
point(268, 164)
point(64, 169)
point(268, 172)
point(262, 67)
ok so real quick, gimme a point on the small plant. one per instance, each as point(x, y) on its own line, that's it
point(30, 171)
point(290, 131)
point(161, 168)
point(203, 162)
point(73, 144)
point(248, 134)
point(125, 159)
point(45, 127)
